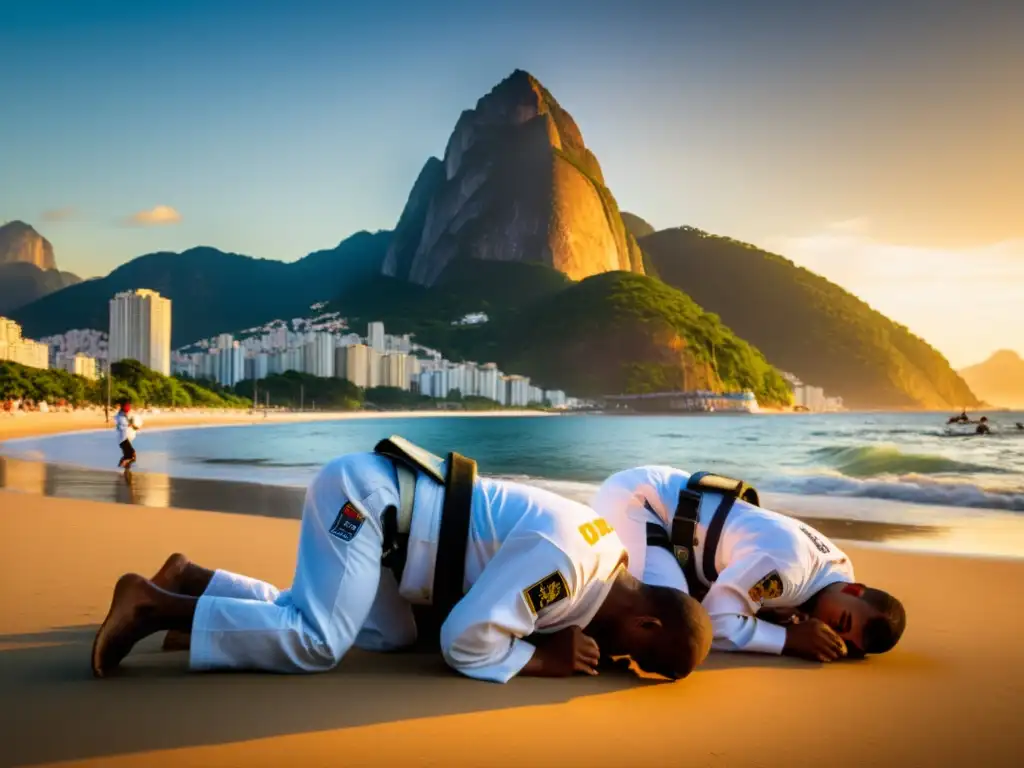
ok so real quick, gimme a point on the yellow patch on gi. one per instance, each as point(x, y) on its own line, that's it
point(595, 529)
point(545, 592)
point(768, 588)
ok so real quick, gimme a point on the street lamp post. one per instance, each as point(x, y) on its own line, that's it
point(106, 410)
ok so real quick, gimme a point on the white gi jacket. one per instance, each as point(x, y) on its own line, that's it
point(764, 559)
point(535, 562)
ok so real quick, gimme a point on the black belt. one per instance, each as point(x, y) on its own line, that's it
point(453, 537)
point(684, 529)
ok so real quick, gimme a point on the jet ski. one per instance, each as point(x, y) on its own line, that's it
point(969, 428)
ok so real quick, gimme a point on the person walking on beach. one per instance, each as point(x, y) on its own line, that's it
point(770, 583)
point(126, 425)
point(520, 581)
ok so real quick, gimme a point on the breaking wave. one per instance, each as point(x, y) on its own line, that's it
point(872, 460)
point(910, 488)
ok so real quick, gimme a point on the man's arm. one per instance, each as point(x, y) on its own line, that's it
point(738, 595)
point(483, 635)
point(731, 604)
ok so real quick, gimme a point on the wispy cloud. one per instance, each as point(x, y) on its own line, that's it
point(158, 215)
point(965, 301)
point(60, 214)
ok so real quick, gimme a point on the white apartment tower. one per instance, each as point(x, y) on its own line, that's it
point(140, 329)
point(375, 337)
point(318, 355)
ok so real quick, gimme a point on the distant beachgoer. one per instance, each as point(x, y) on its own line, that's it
point(548, 594)
point(983, 427)
point(126, 426)
point(1020, 425)
point(782, 588)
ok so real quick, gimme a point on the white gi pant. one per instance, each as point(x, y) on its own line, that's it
point(341, 594)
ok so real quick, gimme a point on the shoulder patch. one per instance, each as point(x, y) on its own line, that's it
point(768, 588)
point(545, 592)
point(348, 522)
point(822, 546)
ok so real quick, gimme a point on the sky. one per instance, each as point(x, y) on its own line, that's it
point(879, 144)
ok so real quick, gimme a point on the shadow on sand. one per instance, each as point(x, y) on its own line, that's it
point(53, 709)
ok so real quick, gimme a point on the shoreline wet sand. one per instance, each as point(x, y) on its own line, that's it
point(153, 489)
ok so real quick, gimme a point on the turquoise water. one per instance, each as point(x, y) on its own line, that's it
point(833, 458)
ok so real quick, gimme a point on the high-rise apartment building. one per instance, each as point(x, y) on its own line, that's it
point(140, 329)
point(357, 364)
point(13, 347)
point(318, 355)
point(395, 370)
point(375, 337)
point(373, 368)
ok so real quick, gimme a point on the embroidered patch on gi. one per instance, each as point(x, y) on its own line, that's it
point(545, 592)
point(822, 547)
point(768, 588)
point(348, 522)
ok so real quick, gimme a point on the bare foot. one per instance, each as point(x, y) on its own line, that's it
point(177, 640)
point(125, 624)
point(170, 575)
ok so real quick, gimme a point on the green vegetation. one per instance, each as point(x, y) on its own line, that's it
point(131, 380)
point(292, 389)
point(807, 325)
point(612, 333)
point(621, 332)
point(212, 292)
point(497, 288)
point(302, 390)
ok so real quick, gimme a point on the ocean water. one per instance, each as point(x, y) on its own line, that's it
point(842, 465)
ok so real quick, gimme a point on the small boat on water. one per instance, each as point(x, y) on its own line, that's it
point(961, 427)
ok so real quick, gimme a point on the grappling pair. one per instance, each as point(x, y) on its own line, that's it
point(544, 586)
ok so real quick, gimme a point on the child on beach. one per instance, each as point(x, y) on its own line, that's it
point(126, 425)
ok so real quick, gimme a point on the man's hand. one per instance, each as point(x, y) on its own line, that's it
point(814, 640)
point(563, 653)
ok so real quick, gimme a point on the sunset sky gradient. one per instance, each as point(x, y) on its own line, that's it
point(881, 145)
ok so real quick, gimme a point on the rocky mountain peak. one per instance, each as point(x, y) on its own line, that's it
point(517, 183)
point(19, 242)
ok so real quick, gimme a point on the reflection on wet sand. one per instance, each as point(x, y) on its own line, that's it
point(150, 489)
point(986, 535)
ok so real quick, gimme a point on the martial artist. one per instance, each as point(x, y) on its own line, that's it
point(539, 569)
point(770, 583)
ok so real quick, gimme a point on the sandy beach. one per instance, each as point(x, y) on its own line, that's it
point(950, 694)
point(33, 423)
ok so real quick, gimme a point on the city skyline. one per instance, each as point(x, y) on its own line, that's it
point(878, 148)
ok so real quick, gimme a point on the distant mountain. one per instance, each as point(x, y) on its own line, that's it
point(517, 183)
point(28, 268)
point(637, 226)
point(212, 291)
point(19, 242)
point(22, 283)
point(807, 325)
point(999, 380)
point(608, 334)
